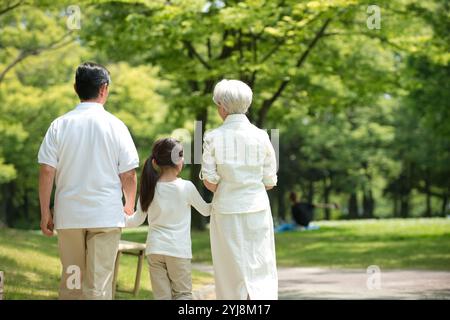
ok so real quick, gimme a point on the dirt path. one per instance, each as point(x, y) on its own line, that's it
point(321, 283)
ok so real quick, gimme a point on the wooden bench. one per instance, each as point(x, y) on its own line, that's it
point(134, 249)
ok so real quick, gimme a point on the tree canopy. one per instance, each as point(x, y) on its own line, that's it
point(362, 112)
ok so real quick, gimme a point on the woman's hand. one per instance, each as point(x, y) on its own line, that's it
point(210, 186)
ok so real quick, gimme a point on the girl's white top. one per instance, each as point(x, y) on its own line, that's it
point(169, 218)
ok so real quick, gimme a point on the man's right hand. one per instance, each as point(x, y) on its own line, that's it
point(46, 177)
point(47, 223)
point(129, 185)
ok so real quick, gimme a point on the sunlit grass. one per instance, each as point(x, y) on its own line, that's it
point(390, 243)
point(32, 266)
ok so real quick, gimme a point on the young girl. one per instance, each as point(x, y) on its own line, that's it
point(167, 200)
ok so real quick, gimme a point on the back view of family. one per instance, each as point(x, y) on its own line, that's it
point(90, 156)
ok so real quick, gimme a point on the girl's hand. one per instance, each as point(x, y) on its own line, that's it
point(128, 210)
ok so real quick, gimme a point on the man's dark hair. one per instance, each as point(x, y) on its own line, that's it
point(89, 78)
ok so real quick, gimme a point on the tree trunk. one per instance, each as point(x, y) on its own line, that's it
point(444, 204)
point(395, 206)
point(368, 204)
point(353, 206)
point(428, 195)
point(405, 190)
point(9, 206)
point(3, 208)
point(26, 205)
point(326, 197)
point(281, 203)
point(310, 195)
point(404, 206)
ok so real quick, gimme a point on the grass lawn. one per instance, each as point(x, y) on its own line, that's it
point(32, 266)
point(389, 243)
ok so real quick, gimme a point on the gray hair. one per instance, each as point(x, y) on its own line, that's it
point(233, 95)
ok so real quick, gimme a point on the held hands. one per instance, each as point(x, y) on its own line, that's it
point(128, 209)
point(47, 223)
point(210, 186)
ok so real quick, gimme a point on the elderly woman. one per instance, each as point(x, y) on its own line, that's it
point(239, 165)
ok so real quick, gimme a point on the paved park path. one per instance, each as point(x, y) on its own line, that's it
point(321, 283)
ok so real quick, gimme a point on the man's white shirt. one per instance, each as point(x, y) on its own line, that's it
point(89, 148)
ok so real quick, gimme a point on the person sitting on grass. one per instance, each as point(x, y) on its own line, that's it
point(303, 212)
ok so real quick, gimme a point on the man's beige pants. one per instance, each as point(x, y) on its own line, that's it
point(91, 255)
point(170, 277)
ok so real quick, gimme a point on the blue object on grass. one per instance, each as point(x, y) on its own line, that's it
point(286, 227)
point(294, 227)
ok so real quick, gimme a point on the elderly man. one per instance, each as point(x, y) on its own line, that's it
point(239, 165)
point(91, 156)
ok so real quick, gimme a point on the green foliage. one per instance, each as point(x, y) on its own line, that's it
point(39, 88)
point(363, 114)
